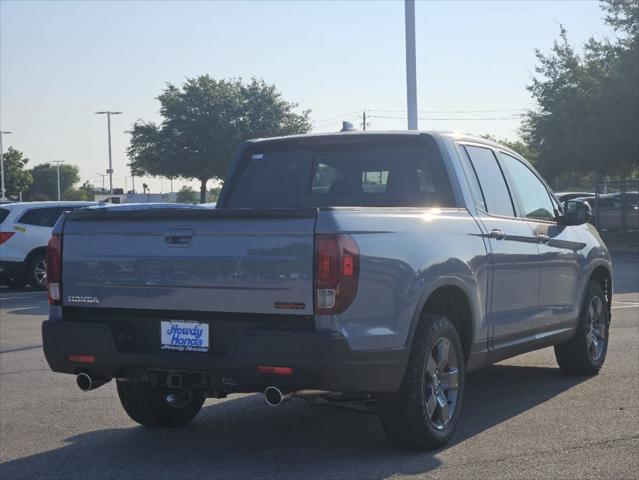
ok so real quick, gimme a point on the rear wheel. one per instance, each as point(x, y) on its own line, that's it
point(148, 405)
point(424, 412)
point(585, 353)
point(37, 271)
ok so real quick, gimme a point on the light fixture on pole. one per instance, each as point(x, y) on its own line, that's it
point(108, 113)
point(58, 162)
point(102, 175)
point(2, 190)
point(411, 69)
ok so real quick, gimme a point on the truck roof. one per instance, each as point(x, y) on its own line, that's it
point(432, 133)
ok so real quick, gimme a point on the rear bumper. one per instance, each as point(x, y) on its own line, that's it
point(318, 360)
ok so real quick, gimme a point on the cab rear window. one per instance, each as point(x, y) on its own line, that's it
point(391, 171)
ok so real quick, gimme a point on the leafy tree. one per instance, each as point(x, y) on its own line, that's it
point(186, 195)
point(204, 121)
point(214, 194)
point(45, 181)
point(16, 177)
point(519, 146)
point(587, 118)
point(85, 192)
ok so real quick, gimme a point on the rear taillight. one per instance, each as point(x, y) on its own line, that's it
point(54, 269)
point(336, 273)
point(4, 236)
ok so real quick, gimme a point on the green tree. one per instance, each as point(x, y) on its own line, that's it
point(45, 181)
point(518, 145)
point(85, 192)
point(202, 124)
point(16, 176)
point(587, 118)
point(186, 195)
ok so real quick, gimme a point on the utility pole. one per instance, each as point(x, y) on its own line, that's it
point(364, 120)
point(108, 113)
point(2, 190)
point(411, 69)
point(58, 162)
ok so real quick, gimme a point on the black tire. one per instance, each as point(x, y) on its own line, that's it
point(405, 414)
point(579, 356)
point(36, 277)
point(147, 405)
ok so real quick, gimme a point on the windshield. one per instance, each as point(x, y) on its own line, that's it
point(390, 171)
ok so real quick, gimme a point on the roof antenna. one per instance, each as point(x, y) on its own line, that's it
point(347, 127)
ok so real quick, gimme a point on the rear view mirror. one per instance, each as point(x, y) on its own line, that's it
point(575, 213)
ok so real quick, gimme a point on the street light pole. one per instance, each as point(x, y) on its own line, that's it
point(108, 113)
point(58, 162)
point(2, 190)
point(411, 69)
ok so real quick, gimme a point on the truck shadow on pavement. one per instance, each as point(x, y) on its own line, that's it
point(243, 438)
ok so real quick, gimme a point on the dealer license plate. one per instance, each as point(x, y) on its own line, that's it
point(185, 336)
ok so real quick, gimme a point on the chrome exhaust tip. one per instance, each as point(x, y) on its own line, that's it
point(84, 381)
point(274, 396)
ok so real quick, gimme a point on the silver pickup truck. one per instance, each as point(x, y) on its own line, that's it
point(371, 270)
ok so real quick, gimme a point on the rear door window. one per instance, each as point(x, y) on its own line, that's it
point(43, 217)
point(496, 196)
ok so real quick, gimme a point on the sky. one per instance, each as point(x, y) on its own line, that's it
point(62, 61)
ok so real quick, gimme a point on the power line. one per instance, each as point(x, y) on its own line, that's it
point(453, 111)
point(449, 118)
point(338, 117)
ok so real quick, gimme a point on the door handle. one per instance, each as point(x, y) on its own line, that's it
point(543, 238)
point(497, 234)
point(178, 237)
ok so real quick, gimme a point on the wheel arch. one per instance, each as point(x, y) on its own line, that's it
point(32, 253)
point(450, 298)
point(601, 275)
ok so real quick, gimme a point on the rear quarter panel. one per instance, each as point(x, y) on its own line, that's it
point(405, 254)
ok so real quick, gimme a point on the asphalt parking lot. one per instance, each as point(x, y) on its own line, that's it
point(521, 419)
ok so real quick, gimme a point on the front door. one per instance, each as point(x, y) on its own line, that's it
point(559, 246)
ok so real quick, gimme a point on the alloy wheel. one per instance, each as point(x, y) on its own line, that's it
point(441, 383)
point(40, 273)
point(597, 329)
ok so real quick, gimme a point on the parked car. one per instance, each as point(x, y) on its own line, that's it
point(25, 228)
point(306, 281)
point(564, 196)
point(631, 197)
point(608, 212)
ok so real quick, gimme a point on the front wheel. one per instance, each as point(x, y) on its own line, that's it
point(584, 354)
point(424, 412)
point(148, 405)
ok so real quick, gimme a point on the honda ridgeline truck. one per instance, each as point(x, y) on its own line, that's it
point(371, 269)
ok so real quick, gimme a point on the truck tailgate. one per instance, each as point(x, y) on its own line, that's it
point(257, 261)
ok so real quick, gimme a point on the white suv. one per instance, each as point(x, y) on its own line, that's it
point(25, 229)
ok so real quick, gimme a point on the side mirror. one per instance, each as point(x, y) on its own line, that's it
point(575, 213)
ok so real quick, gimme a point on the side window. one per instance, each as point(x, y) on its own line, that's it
point(533, 196)
point(42, 217)
point(491, 180)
